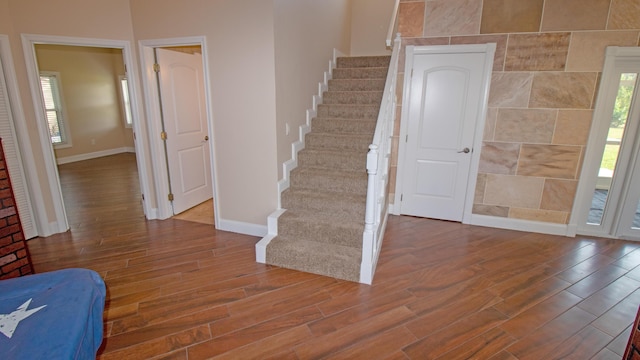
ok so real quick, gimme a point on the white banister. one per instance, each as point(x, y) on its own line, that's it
point(392, 24)
point(378, 161)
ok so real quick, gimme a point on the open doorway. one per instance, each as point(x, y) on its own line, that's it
point(179, 111)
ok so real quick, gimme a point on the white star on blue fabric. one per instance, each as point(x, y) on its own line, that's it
point(9, 322)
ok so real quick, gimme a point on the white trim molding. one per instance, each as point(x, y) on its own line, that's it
point(94, 155)
point(241, 227)
point(520, 225)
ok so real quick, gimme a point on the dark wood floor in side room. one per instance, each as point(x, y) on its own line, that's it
point(183, 290)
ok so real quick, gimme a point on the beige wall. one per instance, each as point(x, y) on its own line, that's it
point(548, 60)
point(369, 25)
point(306, 32)
point(240, 49)
point(89, 79)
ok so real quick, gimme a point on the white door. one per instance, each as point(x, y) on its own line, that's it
point(185, 122)
point(446, 98)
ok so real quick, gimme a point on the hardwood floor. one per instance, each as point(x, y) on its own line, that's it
point(443, 290)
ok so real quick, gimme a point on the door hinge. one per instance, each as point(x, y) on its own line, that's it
point(156, 67)
point(142, 197)
point(163, 135)
point(406, 139)
point(401, 195)
point(170, 196)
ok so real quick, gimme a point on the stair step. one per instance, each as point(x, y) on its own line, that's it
point(347, 206)
point(337, 261)
point(345, 126)
point(356, 84)
point(318, 228)
point(338, 141)
point(330, 180)
point(333, 159)
point(363, 61)
point(352, 97)
point(360, 73)
point(345, 111)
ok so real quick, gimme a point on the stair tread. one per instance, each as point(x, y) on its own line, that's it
point(311, 216)
point(326, 194)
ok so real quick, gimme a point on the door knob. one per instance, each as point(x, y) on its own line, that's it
point(465, 150)
point(206, 138)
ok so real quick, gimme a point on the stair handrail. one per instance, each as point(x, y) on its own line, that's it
point(393, 24)
point(378, 163)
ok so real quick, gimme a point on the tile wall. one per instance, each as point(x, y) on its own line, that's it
point(545, 76)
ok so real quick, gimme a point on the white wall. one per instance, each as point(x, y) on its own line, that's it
point(306, 32)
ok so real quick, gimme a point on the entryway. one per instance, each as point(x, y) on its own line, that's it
point(444, 105)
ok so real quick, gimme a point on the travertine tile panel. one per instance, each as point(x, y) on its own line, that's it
point(452, 17)
point(490, 124)
point(510, 89)
point(411, 19)
point(511, 16)
point(395, 141)
point(525, 125)
point(575, 15)
point(508, 190)
point(499, 158)
point(587, 49)
point(553, 161)
point(393, 176)
point(556, 217)
point(537, 52)
point(481, 182)
point(624, 14)
point(568, 90)
point(572, 127)
point(558, 194)
point(499, 40)
point(490, 210)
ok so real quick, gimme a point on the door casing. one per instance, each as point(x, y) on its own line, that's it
point(489, 51)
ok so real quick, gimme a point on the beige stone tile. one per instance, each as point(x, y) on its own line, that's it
point(575, 15)
point(393, 177)
point(587, 49)
point(452, 17)
point(568, 90)
point(411, 19)
point(510, 89)
point(508, 190)
point(525, 125)
point(499, 40)
point(490, 210)
point(393, 161)
point(499, 158)
point(553, 161)
point(537, 52)
point(624, 14)
point(558, 194)
point(595, 92)
point(511, 16)
point(481, 182)
point(398, 122)
point(490, 124)
point(556, 217)
point(572, 127)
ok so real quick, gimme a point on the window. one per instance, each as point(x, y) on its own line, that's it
point(126, 102)
point(50, 86)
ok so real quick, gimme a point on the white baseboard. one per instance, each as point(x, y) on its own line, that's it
point(272, 226)
point(94, 155)
point(242, 227)
point(519, 225)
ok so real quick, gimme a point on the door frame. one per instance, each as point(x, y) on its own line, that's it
point(152, 96)
point(593, 151)
point(489, 51)
point(61, 223)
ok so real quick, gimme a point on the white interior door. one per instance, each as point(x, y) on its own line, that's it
point(185, 121)
point(446, 97)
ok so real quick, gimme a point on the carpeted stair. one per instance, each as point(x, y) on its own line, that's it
point(321, 230)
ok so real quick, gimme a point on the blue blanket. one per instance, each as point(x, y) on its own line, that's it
point(54, 315)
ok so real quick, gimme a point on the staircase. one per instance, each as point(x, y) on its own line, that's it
point(322, 228)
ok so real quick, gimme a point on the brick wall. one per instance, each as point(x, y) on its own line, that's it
point(14, 258)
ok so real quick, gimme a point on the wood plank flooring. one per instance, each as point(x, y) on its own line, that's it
point(442, 290)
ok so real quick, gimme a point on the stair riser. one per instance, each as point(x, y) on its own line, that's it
point(371, 73)
point(356, 186)
point(343, 126)
point(363, 61)
point(322, 233)
point(348, 111)
point(317, 141)
point(356, 85)
point(338, 207)
point(343, 161)
point(352, 97)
